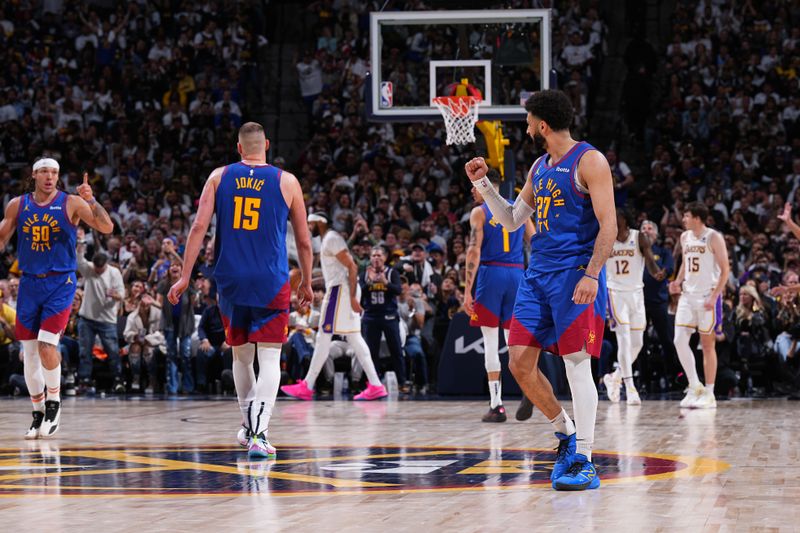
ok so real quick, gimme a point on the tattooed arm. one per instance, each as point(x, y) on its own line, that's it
point(83, 206)
point(476, 220)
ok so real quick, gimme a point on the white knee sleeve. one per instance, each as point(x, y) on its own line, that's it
point(584, 399)
point(32, 366)
point(491, 349)
point(637, 341)
point(49, 337)
point(246, 353)
point(269, 378)
point(244, 378)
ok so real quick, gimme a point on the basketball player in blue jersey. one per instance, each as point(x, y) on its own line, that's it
point(561, 300)
point(252, 201)
point(495, 263)
point(46, 221)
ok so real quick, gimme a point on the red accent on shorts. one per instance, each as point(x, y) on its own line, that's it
point(520, 336)
point(22, 333)
point(233, 336)
point(273, 331)
point(483, 317)
point(499, 264)
point(56, 323)
point(586, 330)
point(283, 299)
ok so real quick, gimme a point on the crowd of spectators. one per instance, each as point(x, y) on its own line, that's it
point(148, 96)
point(723, 130)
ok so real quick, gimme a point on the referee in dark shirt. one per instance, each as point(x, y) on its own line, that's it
point(380, 286)
point(656, 299)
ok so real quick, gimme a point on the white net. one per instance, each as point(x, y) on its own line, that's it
point(460, 116)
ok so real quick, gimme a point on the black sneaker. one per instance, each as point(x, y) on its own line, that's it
point(498, 414)
point(33, 431)
point(119, 386)
point(525, 409)
point(52, 415)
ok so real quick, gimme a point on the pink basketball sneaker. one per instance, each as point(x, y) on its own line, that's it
point(299, 390)
point(372, 392)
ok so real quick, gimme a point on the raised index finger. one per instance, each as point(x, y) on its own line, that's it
point(86, 178)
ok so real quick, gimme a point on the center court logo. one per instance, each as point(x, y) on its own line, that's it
point(207, 471)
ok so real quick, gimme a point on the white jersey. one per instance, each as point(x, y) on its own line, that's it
point(334, 272)
point(625, 266)
point(700, 269)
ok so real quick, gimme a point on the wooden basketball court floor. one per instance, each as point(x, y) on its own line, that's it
point(174, 465)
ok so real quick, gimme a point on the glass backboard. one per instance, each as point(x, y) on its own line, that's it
point(416, 55)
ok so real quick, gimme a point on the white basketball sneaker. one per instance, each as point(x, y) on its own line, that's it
point(706, 401)
point(52, 415)
point(36, 425)
point(613, 383)
point(243, 437)
point(633, 397)
point(692, 395)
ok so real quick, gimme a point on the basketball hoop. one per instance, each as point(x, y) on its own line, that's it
point(460, 116)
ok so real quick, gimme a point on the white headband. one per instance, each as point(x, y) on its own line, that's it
point(46, 162)
point(313, 217)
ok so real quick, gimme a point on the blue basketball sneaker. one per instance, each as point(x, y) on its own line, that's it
point(581, 475)
point(565, 455)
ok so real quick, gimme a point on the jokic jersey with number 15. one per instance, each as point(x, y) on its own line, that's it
point(251, 264)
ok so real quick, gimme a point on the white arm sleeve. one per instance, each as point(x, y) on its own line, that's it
point(510, 216)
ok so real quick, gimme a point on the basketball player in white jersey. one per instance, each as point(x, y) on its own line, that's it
point(624, 272)
point(340, 313)
point(700, 282)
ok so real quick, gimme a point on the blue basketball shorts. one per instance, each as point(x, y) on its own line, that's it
point(44, 303)
point(245, 323)
point(546, 317)
point(495, 293)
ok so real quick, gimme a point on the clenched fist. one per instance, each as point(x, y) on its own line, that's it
point(476, 168)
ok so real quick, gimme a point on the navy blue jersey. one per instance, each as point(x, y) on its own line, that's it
point(251, 264)
point(380, 299)
point(655, 292)
point(47, 237)
point(499, 246)
point(566, 226)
